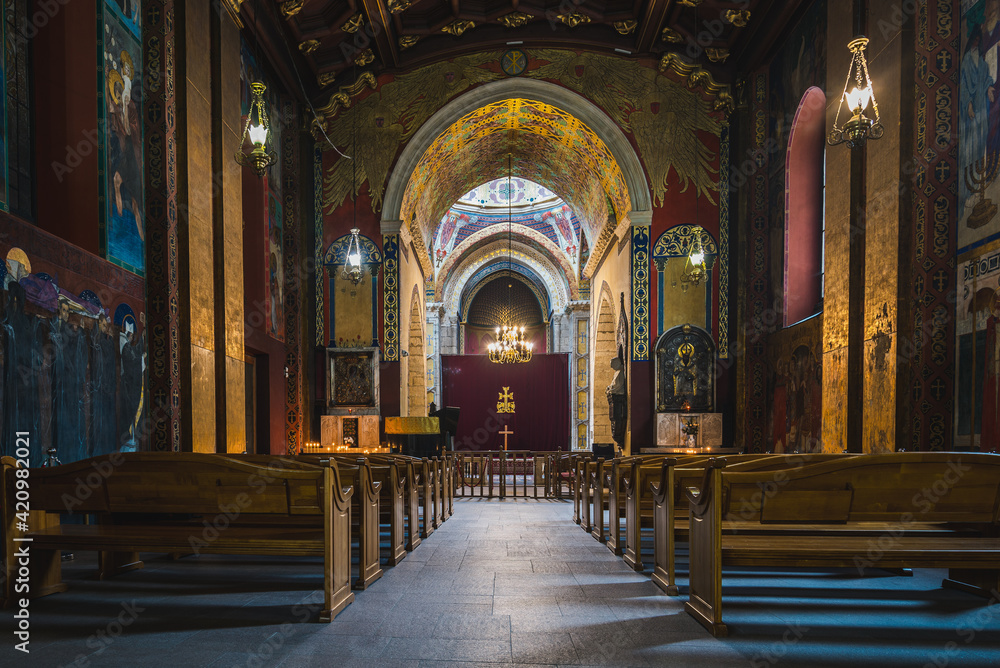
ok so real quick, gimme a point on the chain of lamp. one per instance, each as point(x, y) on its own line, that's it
point(510, 346)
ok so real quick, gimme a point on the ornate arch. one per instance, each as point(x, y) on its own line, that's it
point(518, 272)
point(593, 117)
point(558, 287)
point(477, 240)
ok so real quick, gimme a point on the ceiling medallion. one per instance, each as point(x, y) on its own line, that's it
point(456, 28)
point(309, 45)
point(364, 58)
point(290, 8)
point(513, 62)
point(738, 17)
point(354, 23)
point(717, 55)
point(574, 19)
point(515, 19)
point(397, 6)
point(625, 27)
point(406, 41)
point(672, 36)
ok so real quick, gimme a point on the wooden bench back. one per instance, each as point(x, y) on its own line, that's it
point(917, 487)
point(143, 482)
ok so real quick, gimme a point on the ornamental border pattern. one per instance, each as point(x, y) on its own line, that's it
point(293, 356)
point(162, 298)
point(640, 293)
point(318, 240)
point(723, 342)
point(390, 300)
point(935, 155)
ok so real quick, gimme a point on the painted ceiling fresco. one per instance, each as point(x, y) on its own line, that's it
point(549, 146)
point(485, 207)
point(668, 114)
point(524, 239)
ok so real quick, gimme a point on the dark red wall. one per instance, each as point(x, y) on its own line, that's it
point(66, 140)
point(268, 352)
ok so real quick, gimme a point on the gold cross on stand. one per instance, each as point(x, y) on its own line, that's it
point(506, 432)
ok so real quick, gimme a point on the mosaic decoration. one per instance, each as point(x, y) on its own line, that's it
point(122, 223)
point(640, 293)
point(543, 140)
point(337, 252)
point(390, 299)
point(162, 300)
point(723, 348)
point(676, 242)
point(293, 285)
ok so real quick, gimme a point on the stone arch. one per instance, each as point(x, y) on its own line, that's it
point(415, 377)
point(605, 349)
point(543, 91)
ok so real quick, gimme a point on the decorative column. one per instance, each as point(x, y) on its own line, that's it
point(162, 295)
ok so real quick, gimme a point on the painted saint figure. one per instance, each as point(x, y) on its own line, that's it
point(124, 140)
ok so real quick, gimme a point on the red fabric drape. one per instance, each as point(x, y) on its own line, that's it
point(541, 401)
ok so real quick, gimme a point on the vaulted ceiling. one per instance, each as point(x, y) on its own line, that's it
point(337, 39)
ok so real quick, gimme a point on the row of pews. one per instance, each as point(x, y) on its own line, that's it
point(348, 510)
point(893, 511)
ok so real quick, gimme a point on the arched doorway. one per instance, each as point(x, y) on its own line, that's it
point(605, 349)
point(416, 372)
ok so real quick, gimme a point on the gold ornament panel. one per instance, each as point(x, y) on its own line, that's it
point(543, 140)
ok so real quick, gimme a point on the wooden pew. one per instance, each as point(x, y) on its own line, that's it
point(897, 510)
point(130, 493)
point(670, 515)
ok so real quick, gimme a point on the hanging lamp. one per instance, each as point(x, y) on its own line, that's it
point(257, 128)
point(510, 346)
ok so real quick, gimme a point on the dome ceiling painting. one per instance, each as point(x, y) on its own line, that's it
point(485, 208)
point(539, 142)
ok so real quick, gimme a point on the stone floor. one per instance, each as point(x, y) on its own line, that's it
point(500, 583)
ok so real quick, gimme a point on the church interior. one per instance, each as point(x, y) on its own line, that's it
point(264, 305)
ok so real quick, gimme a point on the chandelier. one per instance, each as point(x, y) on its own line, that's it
point(860, 127)
point(510, 346)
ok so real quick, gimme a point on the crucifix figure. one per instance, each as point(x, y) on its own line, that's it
point(506, 432)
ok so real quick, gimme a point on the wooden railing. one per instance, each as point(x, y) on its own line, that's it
point(513, 473)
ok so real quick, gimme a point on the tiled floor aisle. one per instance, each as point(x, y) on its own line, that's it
point(500, 583)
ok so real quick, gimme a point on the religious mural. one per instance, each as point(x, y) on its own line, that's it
point(979, 126)
point(4, 199)
point(795, 385)
point(71, 373)
point(122, 223)
point(685, 371)
point(978, 352)
point(274, 270)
